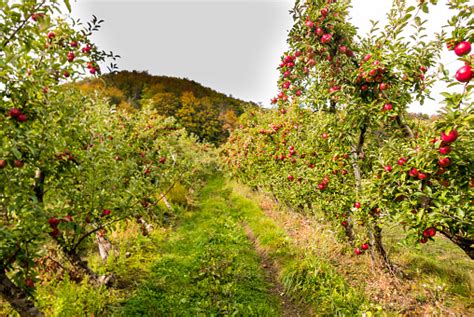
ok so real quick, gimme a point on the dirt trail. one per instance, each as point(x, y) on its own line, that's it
point(289, 308)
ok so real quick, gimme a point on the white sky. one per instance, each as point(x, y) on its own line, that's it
point(232, 46)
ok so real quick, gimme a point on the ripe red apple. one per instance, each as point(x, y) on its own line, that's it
point(464, 74)
point(73, 44)
point(364, 87)
point(324, 135)
point(357, 205)
point(18, 163)
point(344, 223)
point(365, 246)
point(383, 86)
point(326, 38)
point(162, 160)
point(424, 240)
point(321, 186)
point(450, 137)
point(462, 48)
point(298, 53)
point(367, 57)
point(401, 161)
point(444, 150)
point(274, 101)
point(53, 222)
point(424, 69)
point(387, 107)
point(413, 172)
point(106, 212)
point(14, 112)
point(298, 93)
point(357, 251)
point(344, 172)
point(29, 283)
point(291, 178)
point(51, 35)
point(444, 162)
point(86, 49)
point(55, 233)
point(387, 168)
point(319, 32)
point(22, 118)
point(309, 24)
point(422, 176)
point(70, 56)
point(66, 74)
point(3, 164)
point(324, 12)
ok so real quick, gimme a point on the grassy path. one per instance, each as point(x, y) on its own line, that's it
point(228, 258)
point(207, 267)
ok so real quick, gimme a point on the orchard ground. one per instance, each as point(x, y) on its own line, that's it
point(236, 251)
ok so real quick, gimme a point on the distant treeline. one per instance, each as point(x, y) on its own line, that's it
point(205, 112)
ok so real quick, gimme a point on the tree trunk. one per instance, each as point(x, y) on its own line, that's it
point(17, 297)
point(82, 266)
point(465, 244)
point(104, 245)
point(167, 204)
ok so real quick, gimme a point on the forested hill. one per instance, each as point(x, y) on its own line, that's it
point(201, 110)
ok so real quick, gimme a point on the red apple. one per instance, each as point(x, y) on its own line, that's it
point(106, 212)
point(450, 137)
point(326, 38)
point(365, 246)
point(18, 163)
point(321, 186)
point(55, 233)
point(462, 48)
point(344, 223)
point(14, 112)
point(422, 176)
point(401, 161)
point(413, 172)
point(29, 283)
point(51, 35)
point(53, 222)
point(70, 56)
point(309, 24)
point(464, 74)
point(357, 251)
point(383, 86)
point(387, 168)
point(444, 150)
point(22, 118)
point(324, 135)
point(319, 32)
point(357, 205)
point(444, 162)
point(367, 57)
point(387, 107)
point(424, 240)
point(291, 178)
point(3, 164)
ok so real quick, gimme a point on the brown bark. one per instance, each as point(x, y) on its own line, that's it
point(17, 297)
point(465, 244)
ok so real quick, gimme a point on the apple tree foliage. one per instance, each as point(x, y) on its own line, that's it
point(342, 139)
point(71, 164)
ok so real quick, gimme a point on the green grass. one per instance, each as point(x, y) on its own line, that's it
point(207, 267)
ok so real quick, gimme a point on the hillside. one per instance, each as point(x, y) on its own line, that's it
point(209, 114)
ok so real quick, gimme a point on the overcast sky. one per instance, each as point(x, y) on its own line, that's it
point(232, 46)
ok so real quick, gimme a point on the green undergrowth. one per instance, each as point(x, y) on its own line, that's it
point(305, 277)
point(207, 267)
point(438, 266)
